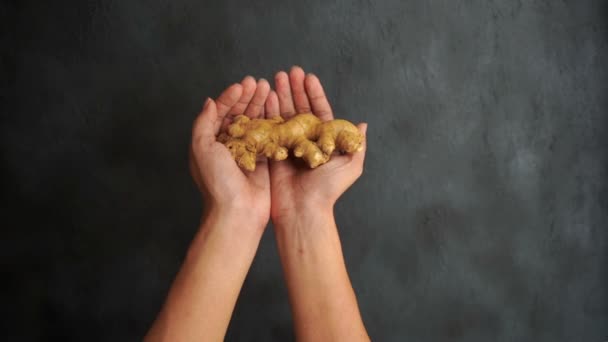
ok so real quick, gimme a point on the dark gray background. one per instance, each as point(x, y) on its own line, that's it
point(481, 215)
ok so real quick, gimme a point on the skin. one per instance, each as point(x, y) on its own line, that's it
point(239, 205)
point(322, 299)
point(201, 300)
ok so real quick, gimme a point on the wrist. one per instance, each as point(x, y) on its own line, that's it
point(305, 215)
point(233, 218)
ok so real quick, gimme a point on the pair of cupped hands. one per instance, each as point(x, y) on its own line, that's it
point(277, 190)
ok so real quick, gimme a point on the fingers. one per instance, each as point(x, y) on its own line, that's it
point(286, 105)
point(256, 105)
point(298, 91)
point(249, 88)
point(225, 102)
point(318, 100)
point(272, 105)
point(203, 130)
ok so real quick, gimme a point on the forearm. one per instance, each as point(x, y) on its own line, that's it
point(203, 295)
point(322, 299)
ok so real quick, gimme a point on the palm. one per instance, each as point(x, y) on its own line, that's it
point(252, 187)
point(213, 168)
point(291, 181)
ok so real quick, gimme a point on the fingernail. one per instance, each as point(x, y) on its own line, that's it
point(364, 127)
point(207, 101)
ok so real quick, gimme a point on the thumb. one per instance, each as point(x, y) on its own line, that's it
point(203, 130)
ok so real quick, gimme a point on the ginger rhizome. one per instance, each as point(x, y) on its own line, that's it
point(304, 134)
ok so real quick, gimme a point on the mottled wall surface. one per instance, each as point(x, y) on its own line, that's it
point(482, 214)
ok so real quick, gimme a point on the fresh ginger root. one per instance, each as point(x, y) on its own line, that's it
point(308, 137)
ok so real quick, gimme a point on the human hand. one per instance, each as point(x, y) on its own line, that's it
point(295, 188)
point(225, 187)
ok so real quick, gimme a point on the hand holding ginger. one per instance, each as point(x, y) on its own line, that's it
point(302, 202)
point(204, 292)
point(299, 200)
point(305, 134)
point(223, 185)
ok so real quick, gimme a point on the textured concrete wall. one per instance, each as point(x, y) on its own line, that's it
point(482, 214)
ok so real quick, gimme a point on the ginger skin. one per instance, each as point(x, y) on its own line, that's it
point(308, 137)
